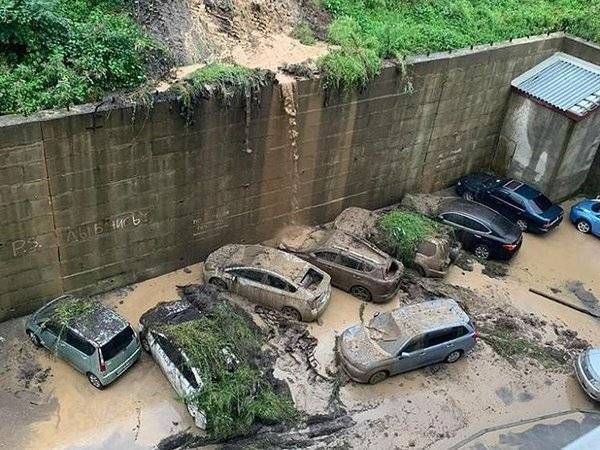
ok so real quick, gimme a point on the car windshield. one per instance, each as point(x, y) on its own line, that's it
point(311, 280)
point(542, 203)
point(384, 331)
point(117, 344)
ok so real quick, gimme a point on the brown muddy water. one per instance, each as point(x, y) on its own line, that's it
point(435, 407)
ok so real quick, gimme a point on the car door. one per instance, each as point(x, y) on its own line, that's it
point(249, 283)
point(353, 271)
point(440, 343)
point(279, 292)
point(49, 335)
point(412, 356)
point(76, 350)
point(165, 354)
point(508, 205)
point(326, 260)
point(468, 238)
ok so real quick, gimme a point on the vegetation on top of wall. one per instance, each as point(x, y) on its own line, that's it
point(392, 29)
point(222, 80)
point(236, 393)
point(56, 53)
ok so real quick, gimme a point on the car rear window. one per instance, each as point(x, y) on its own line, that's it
point(117, 344)
point(542, 202)
point(312, 279)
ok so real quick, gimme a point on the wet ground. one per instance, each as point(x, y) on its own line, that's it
point(484, 401)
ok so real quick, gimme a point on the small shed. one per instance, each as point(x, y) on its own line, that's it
point(551, 130)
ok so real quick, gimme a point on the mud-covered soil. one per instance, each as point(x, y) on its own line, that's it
point(255, 33)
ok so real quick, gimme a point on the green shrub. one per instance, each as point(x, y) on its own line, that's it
point(392, 28)
point(403, 230)
point(304, 34)
point(349, 68)
point(57, 53)
point(233, 400)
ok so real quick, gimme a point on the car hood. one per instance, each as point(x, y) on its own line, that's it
point(552, 213)
point(593, 357)
point(359, 349)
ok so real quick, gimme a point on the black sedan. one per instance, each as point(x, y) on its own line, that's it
point(482, 230)
point(522, 204)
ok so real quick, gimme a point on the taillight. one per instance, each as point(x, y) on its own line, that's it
point(509, 247)
point(101, 362)
point(476, 335)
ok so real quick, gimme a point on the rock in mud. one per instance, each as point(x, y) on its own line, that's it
point(427, 204)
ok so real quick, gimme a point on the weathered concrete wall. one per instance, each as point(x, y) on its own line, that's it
point(591, 186)
point(119, 200)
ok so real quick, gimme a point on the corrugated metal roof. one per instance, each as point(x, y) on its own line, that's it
point(563, 82)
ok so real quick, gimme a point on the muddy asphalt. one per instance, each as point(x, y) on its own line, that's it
point(490, 399)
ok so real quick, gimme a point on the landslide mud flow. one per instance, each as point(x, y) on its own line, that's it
point(498, 384)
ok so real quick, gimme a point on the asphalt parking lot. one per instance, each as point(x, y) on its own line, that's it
point(483, 401)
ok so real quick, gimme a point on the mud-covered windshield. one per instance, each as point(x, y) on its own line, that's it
point(384, 331)
point(117, 344)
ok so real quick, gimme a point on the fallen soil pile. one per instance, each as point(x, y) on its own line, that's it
point(522, 339)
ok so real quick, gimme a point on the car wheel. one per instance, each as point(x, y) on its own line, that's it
point(95, 381)
point(218, 283)
point(361, 293)
point(145, 344)
point(468, 196)
point(522, 224)
point(454, 356)
point(291, 313)
point(583, 226)
point(482, 251)
point(378, 377)
point(34, 339)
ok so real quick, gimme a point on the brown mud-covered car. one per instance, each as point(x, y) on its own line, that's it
point(271, 278)
point(355, 265)
point(433, 255)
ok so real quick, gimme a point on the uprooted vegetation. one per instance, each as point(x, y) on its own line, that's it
point(73, 308)
point(224, 81)
point(238, 390)
point(403, 230)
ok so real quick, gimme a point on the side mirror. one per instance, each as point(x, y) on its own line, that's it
point(404, 355)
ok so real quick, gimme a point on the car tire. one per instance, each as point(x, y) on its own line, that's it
point(522, 224)
point(361, 293)
point(219, 283)
point(144, 343)
point(482, 251)
point(378, 377)
point(454, 356)
point(291, 313)
point(468, 196)
point(95, 381)
point(33, 338)
point(583, 226)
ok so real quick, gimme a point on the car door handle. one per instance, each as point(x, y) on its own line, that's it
point(422, 353)
point(449, 345)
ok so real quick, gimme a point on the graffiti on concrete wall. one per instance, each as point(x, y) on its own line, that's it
point(22, 247)
point(93, 230)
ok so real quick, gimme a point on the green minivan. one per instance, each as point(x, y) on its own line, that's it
point(91, 337)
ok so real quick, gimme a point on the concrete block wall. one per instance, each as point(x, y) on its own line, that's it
point(114, 194)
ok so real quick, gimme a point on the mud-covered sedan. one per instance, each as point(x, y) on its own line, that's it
point(271, 278)
point(355, 265)
point(405, 339)
point(585, 215)
point(587, 369)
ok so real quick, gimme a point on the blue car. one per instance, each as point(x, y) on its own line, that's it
point(522, 204)
point(586, 216)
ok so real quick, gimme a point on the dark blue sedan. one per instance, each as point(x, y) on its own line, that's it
point(586, 216)
point(522, 204)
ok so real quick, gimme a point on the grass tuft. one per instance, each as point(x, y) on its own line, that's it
point(303, 33)
point(349, 68)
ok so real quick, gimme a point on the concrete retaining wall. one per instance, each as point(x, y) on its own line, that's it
point(96, 200)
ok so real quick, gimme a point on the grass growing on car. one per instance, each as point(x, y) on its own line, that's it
point(513, 346)
point(235, 395)
point(404, 229)
point(72, 308)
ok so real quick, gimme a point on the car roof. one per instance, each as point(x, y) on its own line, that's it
point(347, 243)
point(260, 257)
point(402, 324)
point(98, 326)
point(169, 313)
point(484, 214)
